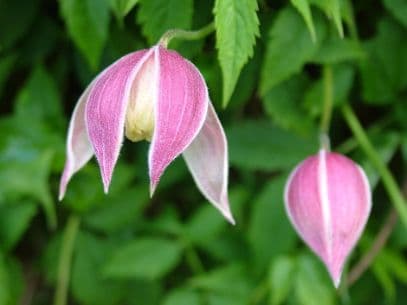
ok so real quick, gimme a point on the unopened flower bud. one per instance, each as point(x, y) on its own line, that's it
point(328, 201)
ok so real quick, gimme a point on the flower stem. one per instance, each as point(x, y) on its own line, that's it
point(328, 100)
point(65, 260)
point(186, 35)
point(389, 182)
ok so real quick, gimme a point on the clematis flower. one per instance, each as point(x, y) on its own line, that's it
point(153, 95)
point(328, 200)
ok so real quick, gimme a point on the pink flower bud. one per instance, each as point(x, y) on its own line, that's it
point(328, 201)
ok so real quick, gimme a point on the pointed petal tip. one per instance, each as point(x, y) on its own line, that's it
point(229, 218)
point(152, 189)
point(106, 183)
point(336, 280)
point(224, 208)
point(335, 274)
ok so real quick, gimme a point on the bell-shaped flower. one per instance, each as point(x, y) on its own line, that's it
point(159, 96)
point(328, 200)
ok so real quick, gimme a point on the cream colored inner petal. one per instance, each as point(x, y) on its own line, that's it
point(140, 112)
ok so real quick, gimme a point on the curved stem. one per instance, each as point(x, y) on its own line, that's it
point(65, 260)
point(186, 35)
point(378, 244)
point(389, 182)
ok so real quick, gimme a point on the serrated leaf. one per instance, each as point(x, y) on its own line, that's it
point(281, 279)
point(332, 9)
point(237, 26)
point(87, 22)
point(286, 54)
point(398, 8)
point(122, 7)
point(304, 9)
point(158, 16)
point(149, 258)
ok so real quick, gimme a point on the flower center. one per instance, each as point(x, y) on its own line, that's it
point(140, 111)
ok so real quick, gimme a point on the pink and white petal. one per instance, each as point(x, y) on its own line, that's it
point(180, 109)
point(78, 148)
point(106, 110)
point(207, 160)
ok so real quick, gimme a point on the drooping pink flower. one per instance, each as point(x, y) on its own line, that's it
point(157, 95)
point(328, 200)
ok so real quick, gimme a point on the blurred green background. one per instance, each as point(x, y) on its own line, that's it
point(176, 249)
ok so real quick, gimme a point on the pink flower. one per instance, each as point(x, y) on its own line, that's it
point(328, 201)
point(159, 96)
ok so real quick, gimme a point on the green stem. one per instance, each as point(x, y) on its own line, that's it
point(259, 293)
point(65, 260)
point(186, 35)
point(194, 261)
point(389, 182)
point(328, 100)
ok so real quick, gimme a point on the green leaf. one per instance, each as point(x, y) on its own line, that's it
point(384, 70)
point(312, 282)
point(204, 225)
point(182, 297)
point(332, 9)
point(259, 145)
point(40, 100)
point(283, 103)
point(6, 67)
point(118, 210)
point(303, 8)
point(11, 281)
point(335, 50)
point(237, 26)
point(231, 280)
point(398, 8)
point(158, 16)
point(89, 286)
point(20, 161)
point(268, 215)
point(343, 76)
point(16, 18)
point(122, 7)
point(287, 54)
point(386, 145)
point(87, 22)
point(281, 279)
point(14, 221)
point(149, 258)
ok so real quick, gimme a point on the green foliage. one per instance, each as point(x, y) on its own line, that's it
point(149, 258)
point(266, 61)
point(237, 26)
point(287, 54)
point(87, 22)
point(158, 16)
